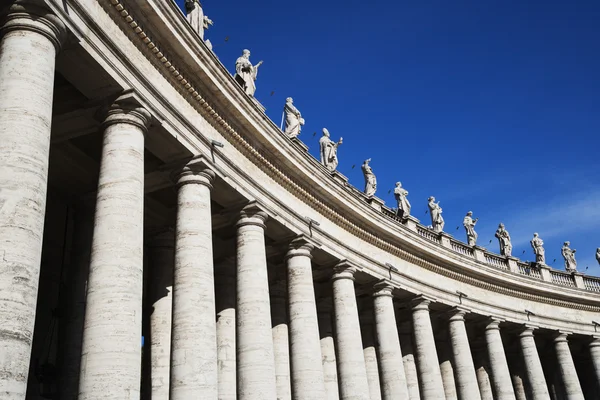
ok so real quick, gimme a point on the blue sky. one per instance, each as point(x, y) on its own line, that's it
point(490, 106)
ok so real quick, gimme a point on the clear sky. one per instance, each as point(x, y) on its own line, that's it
point(491, 106)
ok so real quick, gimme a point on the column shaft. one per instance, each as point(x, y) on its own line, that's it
point(329, 361)
point(225, 304)
point(305, 349)
point(410, 364)
point(352, 372)
point(30, 40)
point(111, 354)
point(446, 369)
point(595, 356)
point(466, 380)
point(393, 379)
point(533, 366)
point(498, 364)
point(566, 367)
point(370, 354)
point(281, 337)
point(256, 365)
point(430, 378)
point(194, 339)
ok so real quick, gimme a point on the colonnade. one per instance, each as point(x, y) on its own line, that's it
point(210, 343)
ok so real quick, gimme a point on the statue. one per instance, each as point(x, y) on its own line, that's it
point(245, 73)
point(403, 204)
point(370, 179)
point(293, 118)
point(196, 18)
point(538, 248)
point(469, 224)
point(437, 221)
point(569, 256)
point(504, 239)
point(598, 255)
point(329, 151)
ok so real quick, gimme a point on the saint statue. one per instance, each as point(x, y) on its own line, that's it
point(469, 224)
point(245, 73)
point(504, 239)
point(538, 248)
point(437, 221)
point(370, 179)
point(569, 256)
point(293, 118)
point(329, 151)
point(401, 198)
point(598, 255)
point(196, 17)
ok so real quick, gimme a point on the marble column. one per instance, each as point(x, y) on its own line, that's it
point(281, 335)
point(31, 38)
point(482, 367)
point(408, 359)
point(111, 354)
point(367, 330)
point(466, 380)
point(595, 356)
point(533, 365)
point(430, 378)
point(161, 253)
point(352, 372)
point(393, 379)
point(305, 348)
point(329, 362)
point(446, 367)
point(498, 363)
point(566, 367)
point(194, 338)
point(225, 307)
point(255, 360)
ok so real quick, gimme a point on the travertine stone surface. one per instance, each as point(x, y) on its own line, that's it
point(482, 371)
point(446, 368)
point(256, 365)
point(352, 373)
point(430, 378)
point(393, 379)
point(595, 356)
point(161, 252)
point(367, 329)
point(194, 340)
point(325, 315)
point(501, 379)
point(305, 349)
point(533, 365)
point(464, 370)
point(31, 38)
point(410, 365)
point(111, 354)
point(566, 367)
point(225, 304)
point(281, 335)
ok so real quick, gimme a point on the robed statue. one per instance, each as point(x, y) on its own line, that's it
point(504, 240)
point(598, 255)
point(437, 221)
point(569, 256)
point(538, 248)
point(196, 18)
point(370, 179)
point(329, 151)
point(293, 119)
point(402, 200)
point(246, 73)
point(469, 224)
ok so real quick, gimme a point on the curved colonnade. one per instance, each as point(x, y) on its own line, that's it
point(251, 271)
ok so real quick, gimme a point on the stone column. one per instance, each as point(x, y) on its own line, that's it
point(111, 353)
point(533, 365)
point(194, 340)
point(351, 361)
point(161, 253)
point(408, 359)
point(566, 367)
point(367, 330)
point(482, 366)
point(324, 309)
point(225, 307)
point(281, 336)
point(305, 349)
point(256, 365)
point(466, 380)
point(31, 38)
point(595, 356)
point(446, 368)
point(498, 364)
point(393, 379)
point(430, 378)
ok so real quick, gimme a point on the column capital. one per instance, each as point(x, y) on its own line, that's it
point(344, 270)
point(195, 171)
point(561, 336)
point(127, 109)
point(527, 330)
point(421, 302)
point(458, 313)
point(34, 16)
point(252, 214)
point(493, 323)
point(383, 288)
point(302, 245)
point(595, 341)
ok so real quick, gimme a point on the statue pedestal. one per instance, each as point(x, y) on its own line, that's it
point(545, 272)
point(478, 253)
point(410, 222)
point(376, 203)
point(578, 278)
point(299, 143)
point(512, 264)
point(445, 239)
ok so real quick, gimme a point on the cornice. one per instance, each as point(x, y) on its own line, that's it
point(191, 92)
